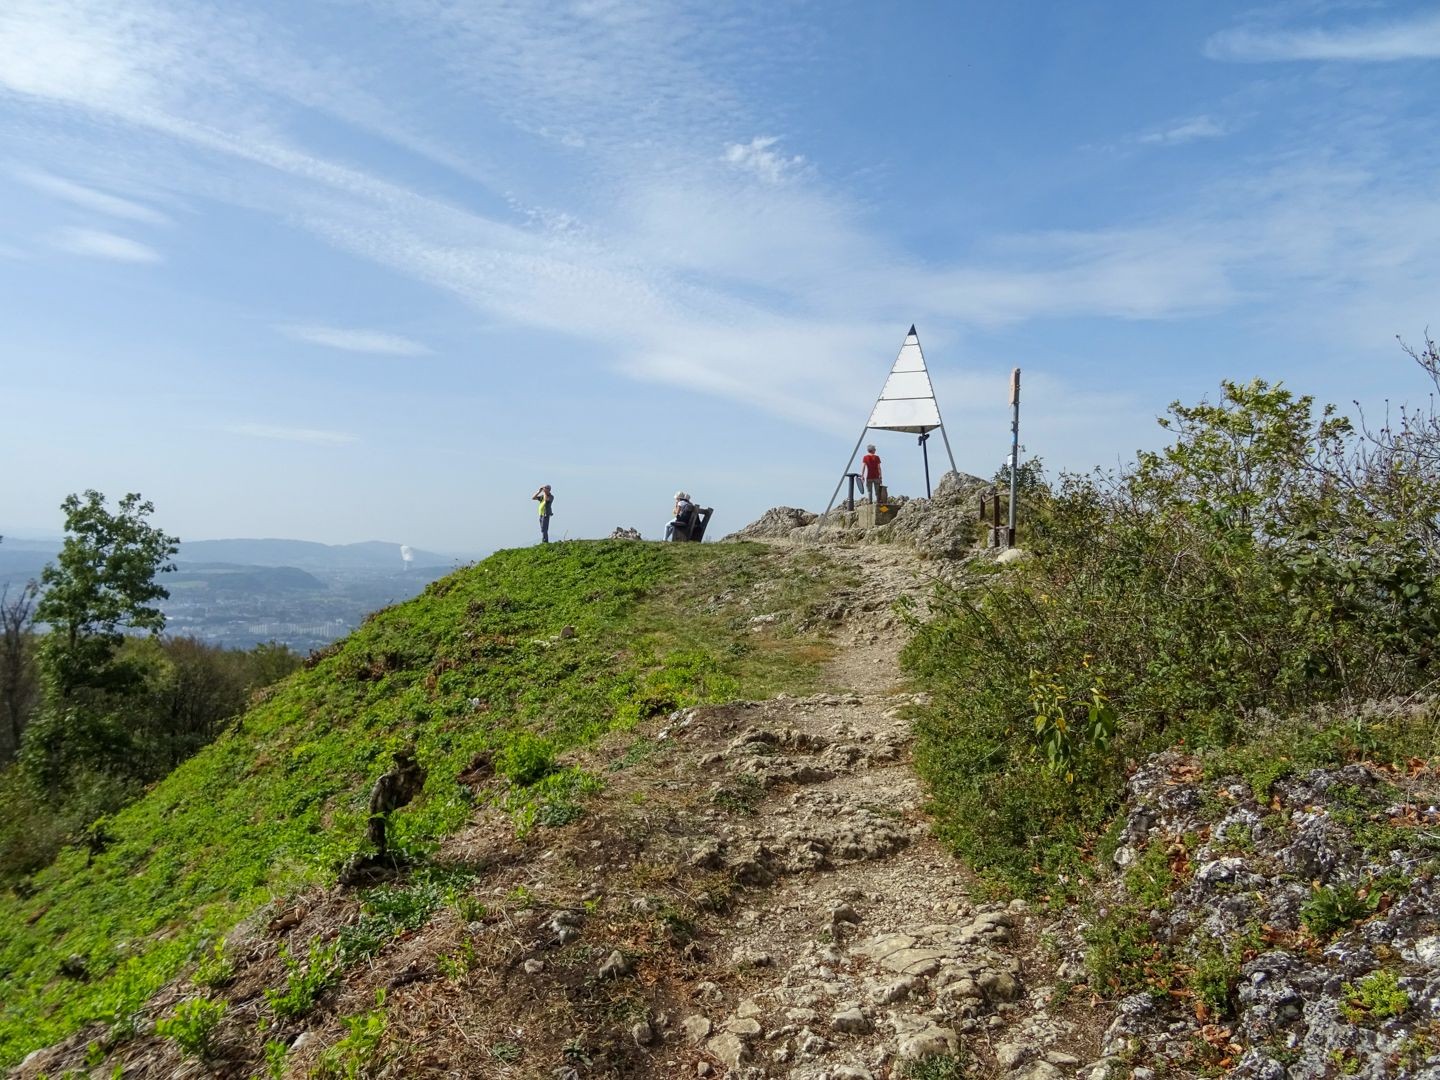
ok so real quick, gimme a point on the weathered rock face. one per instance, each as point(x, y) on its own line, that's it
point(943, 526)
point(1316, 909)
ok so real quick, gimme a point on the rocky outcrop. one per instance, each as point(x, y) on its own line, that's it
point(1299, 937)
point(943, 526)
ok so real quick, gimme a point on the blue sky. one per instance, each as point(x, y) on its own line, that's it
point(375, 270)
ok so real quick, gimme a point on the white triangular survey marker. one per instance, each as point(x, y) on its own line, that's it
point(906, 403)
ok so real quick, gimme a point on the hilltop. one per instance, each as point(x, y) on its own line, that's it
point(695, 810)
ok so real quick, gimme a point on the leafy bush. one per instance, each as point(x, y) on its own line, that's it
point(1263, 563)
point(526, 759)
point(305, 980)
point(192, 1025)
point(357, 1055)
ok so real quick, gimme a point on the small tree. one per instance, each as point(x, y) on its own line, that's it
point(103, 581)
point(18, 688)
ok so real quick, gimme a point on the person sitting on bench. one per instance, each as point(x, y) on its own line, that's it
point(684, 514)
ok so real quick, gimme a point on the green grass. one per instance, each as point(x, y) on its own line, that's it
point(474, 665)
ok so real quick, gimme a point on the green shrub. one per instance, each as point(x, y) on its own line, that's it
point(192, 1025)
point(305, 980)
point(1255, 564)
point(357, 1055)
point(215, 968)
point(526, 759)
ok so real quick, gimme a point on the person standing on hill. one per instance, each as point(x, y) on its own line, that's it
point(870, 474)
point(547, 502)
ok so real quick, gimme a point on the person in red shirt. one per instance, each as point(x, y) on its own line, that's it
point(870, 474)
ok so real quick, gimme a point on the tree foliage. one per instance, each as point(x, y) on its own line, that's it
point(103, 581)
point(1271, 559)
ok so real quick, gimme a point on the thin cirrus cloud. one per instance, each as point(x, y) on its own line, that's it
point(98, 244)
point(88, 198)
point(313, 436)
point(375, 342)
point(755, 265)
point(1412, 39)
point(1186, 131)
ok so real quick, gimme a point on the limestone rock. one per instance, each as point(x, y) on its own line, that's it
point(616, 966)
point(730, 1049)
point(851, 1021)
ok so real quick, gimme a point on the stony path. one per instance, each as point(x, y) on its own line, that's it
point(866, 953)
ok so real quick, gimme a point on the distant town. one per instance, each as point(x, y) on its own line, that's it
point(239, 593)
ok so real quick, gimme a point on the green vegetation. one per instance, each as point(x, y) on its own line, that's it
point(1271, 561)
point(358, 1054)
point(1377, 996)
point(1331, 908)
point(305, 980)
point(935, 1067)
point(192, 1025)
point(1123, 955)
point(475, 669)
point(91, 711)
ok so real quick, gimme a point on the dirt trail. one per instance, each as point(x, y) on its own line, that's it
point(867, 953)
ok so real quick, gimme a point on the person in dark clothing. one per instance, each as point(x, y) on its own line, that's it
point(547, 502)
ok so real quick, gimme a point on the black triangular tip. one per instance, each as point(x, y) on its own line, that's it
point(912, 330)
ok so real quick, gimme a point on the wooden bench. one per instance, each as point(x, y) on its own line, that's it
point(692, 527)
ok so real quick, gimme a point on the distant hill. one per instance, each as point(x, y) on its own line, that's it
point(21, 560)
point(238, 577)
point(307, 555)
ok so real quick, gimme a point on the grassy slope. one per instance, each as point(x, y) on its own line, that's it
point(475, 664)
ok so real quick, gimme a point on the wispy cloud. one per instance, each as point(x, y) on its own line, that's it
point(361, 341)
point(89, 198)
point(646, 243)
point(313, 436)
point(758, 156)
point(1417, 38)
point(97, 244)
point(1186, 131)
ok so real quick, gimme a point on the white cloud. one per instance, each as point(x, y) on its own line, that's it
point(663, 256)
point(98, 244)
point(758, 157)
point(89, 198)
point(1413, 39)
point(288, 434)
point(1198, 127)
point(361, 341)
